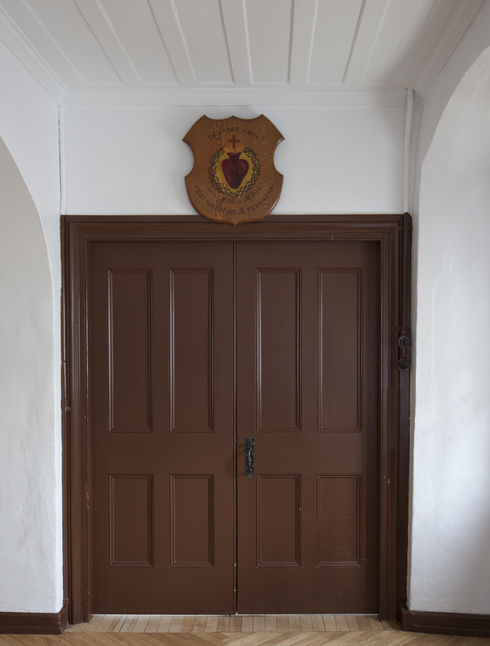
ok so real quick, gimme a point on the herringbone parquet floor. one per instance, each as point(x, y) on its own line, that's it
point(333, 638)
point(245, 630)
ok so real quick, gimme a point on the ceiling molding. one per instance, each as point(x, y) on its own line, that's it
point(233, 96)
point(29, 57)
point(457, 26)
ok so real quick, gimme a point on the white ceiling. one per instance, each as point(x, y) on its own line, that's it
point(130, 51)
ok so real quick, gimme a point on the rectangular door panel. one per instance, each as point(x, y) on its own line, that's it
point(278, 360)
point(192, 520)
point(340, 356)
point(339, 520)
point(278, 517)
point(131, 519)
point(191, 350)
point(311, 547)
point(129, 351)
point(161, 334)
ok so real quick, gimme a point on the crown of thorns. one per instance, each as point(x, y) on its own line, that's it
point(220, 187)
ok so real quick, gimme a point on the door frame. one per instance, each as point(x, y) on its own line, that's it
point(392, 232)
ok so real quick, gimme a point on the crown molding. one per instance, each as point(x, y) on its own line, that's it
point(458, 24)
point(139, 97)
point(29, 57)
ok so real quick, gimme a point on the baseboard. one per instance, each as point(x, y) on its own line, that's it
point(446, 623)
point(33, 623)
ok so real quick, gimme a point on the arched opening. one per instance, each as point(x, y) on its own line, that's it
point(28, 477)
point(451, 480)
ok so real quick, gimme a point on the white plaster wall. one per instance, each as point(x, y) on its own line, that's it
point(30, 428)
point(29, 562)
point(476, 39)
point(451, 462)
point(29, 128)
point(334, 159)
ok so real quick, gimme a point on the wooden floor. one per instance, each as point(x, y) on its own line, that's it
point(240, 630)
point(233, 624)
point(333, 638)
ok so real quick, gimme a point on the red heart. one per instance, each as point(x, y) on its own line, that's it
point(234, 169)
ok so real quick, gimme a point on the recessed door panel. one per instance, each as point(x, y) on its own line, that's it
point(340, 355)
point(192, 520)
point(278, 514)
point(278, 359)
point(131, 519)
point(191, 350)
point(129, 351)
point(339, 520)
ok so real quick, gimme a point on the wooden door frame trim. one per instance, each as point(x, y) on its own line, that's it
point(393, 232)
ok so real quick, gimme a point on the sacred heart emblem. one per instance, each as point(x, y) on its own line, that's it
point(234, 179)
point(234, 169)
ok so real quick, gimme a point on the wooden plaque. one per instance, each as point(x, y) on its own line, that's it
point(234, 179)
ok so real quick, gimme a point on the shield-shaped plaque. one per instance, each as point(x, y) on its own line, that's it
point(234, 179)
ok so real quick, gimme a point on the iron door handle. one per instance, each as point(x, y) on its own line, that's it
point(249, 457)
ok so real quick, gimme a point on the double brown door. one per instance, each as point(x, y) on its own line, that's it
point(195, 347)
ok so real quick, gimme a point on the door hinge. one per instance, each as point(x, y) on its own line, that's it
point(404, 343)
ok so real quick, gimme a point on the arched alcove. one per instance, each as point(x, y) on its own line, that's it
point(28, 478)
point(451, 479)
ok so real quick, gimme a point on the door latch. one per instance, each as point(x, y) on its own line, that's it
point(249, 457)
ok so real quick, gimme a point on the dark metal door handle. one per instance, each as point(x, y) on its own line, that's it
point(249, 457)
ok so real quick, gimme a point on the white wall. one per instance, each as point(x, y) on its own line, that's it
point(29, 128)
point(29, 559)
point(476, 39)
point(30, 434)
point(334, 159)
point(451, 462)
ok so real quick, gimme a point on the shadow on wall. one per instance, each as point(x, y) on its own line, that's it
point(27, 477)
point(451, 515)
